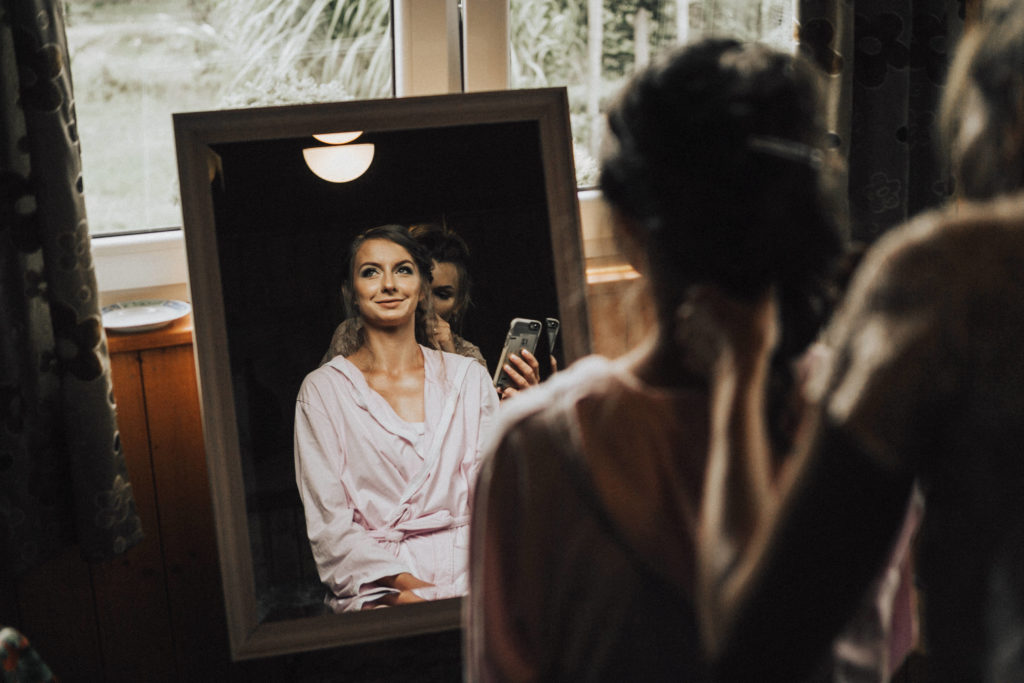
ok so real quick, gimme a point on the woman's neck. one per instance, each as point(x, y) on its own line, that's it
point(391, 351)
point(660, 362)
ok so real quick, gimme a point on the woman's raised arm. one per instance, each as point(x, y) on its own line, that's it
point(781, 567)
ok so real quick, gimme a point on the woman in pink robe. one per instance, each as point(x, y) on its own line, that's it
point(387, 441)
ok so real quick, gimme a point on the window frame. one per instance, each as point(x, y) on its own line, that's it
point(153, 264)
point(440, 46)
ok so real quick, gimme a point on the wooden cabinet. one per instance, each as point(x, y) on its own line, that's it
point(155, 373)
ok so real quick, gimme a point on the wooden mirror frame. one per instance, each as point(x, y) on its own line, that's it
point(198, 136)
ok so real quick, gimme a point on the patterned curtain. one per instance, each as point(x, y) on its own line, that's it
point(62, 474)
point(886, 63)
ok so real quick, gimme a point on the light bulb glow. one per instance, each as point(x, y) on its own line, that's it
point(339, 164)
point(338, 138)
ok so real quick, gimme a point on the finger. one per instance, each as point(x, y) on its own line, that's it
point(713, 327)
point(507, 393)
point(514, 377)
point(406, 597)
point(531, 360)
point(554, 364)
point(526, 372)
point(388, 600)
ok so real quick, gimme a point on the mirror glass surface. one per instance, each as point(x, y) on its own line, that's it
point(267, 241)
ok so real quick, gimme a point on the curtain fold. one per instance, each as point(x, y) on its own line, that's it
point(886, 64)
point(62, 473)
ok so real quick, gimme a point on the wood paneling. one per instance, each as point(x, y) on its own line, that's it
point(621, 315)
point(131, 596)
point(186, 516)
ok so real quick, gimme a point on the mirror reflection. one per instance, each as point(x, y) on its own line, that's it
point(283, 237)
point(388, 436)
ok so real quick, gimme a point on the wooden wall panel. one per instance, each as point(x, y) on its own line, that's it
point(131, 596)
point(621, 315)
point(186, 513)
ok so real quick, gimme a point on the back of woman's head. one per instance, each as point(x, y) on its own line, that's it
point(715, 154)
point(982, 112)
point(445, 246)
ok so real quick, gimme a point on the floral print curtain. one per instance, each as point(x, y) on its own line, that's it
point(62, 473)
point(886, 63)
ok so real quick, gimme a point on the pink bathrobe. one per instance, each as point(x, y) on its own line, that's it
point(384, 496)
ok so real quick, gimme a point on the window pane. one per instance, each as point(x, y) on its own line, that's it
point(554, 42)
point(134, 62)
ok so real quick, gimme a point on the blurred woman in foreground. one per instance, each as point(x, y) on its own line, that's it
point(927, 385)
point(584, 531)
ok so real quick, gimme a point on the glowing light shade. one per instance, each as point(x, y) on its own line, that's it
point(338, 138)
point(340, 163)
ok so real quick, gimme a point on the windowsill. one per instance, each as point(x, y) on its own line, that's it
point(142, 266)
point(604, 260)
point(178, 333)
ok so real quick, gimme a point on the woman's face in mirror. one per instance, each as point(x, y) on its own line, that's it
point(445, 289)
point(387, 284)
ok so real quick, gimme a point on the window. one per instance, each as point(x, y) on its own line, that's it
point(557, 42)
point(135, 62)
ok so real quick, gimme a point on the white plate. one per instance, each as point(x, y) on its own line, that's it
point(143, 315)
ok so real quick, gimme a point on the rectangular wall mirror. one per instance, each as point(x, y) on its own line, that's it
point(267, 241)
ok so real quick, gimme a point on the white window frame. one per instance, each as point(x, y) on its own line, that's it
point(427, 50)
point(140, 266)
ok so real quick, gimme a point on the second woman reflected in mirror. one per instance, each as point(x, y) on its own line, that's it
point(450, 295)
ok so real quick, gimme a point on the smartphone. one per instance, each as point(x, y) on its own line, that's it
point(546, 351)
point(551, 326)
point(523, 333)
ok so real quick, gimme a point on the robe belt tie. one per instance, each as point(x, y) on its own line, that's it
point(428, 524)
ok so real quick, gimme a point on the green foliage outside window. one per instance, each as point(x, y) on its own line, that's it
point(136, 61)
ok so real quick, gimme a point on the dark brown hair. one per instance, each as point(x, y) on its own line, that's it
point(717, 152)
point(445, 246)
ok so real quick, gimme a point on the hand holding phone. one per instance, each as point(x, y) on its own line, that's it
point(523, 333)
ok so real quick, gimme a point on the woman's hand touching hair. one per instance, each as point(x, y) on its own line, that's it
point(440, 334)
point(724, 334)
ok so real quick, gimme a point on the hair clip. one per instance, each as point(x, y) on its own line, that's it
point(790, 150)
